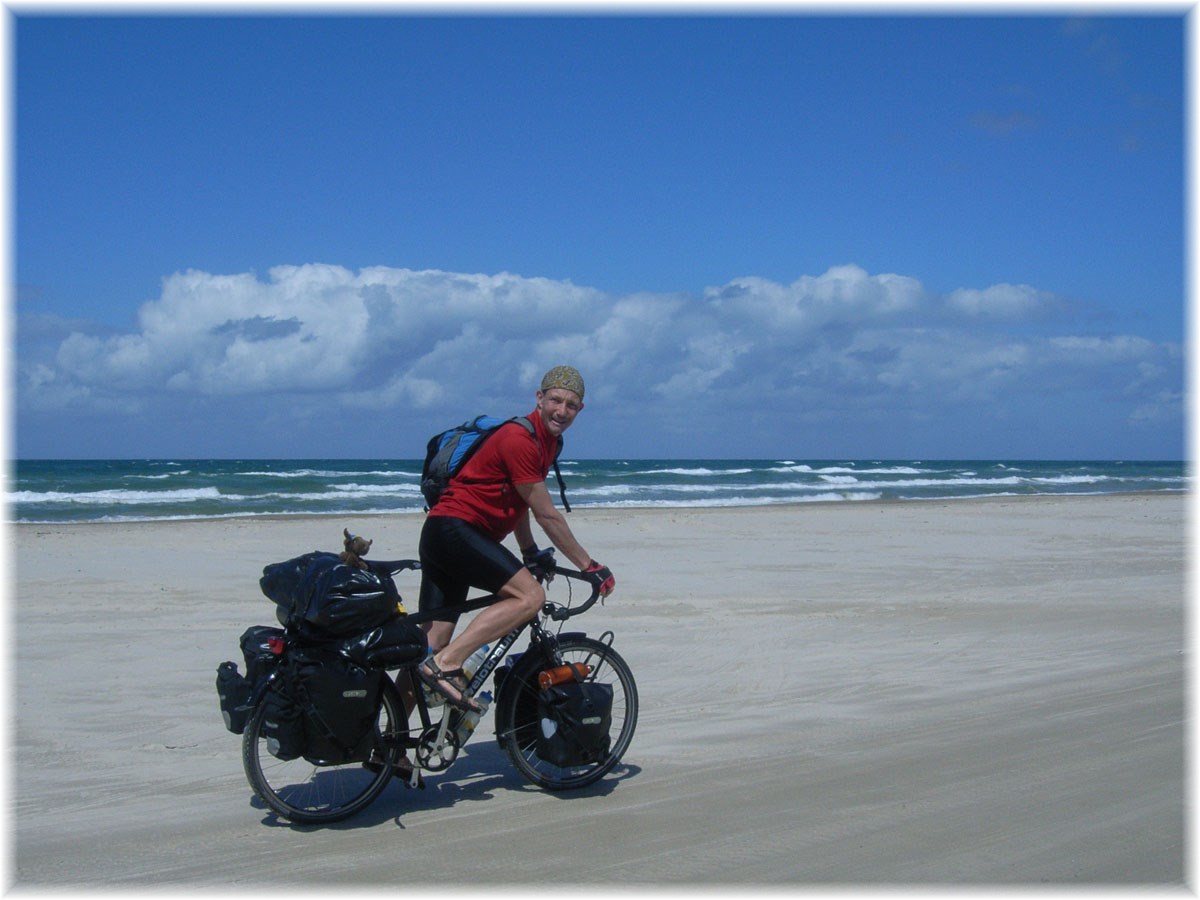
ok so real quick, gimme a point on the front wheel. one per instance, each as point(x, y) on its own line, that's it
point(302, 792)
point(519, 722)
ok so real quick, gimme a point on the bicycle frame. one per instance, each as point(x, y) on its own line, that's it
point(438, 745)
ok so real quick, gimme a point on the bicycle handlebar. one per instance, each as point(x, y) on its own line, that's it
point(556, 611)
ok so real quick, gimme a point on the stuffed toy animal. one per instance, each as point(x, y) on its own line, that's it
point(356, 549)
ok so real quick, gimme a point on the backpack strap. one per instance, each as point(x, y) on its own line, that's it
point(562, 488)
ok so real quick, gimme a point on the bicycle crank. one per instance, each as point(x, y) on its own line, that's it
point(438, 748)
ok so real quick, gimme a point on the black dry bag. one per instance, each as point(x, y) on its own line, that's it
point(319, 595)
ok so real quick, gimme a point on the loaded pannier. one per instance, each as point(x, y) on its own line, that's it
point(574, 719)
point(258, 643)
point(235, 691)
point(339, 703)
point(343, 627)
point(323, 707)
point(283, 722)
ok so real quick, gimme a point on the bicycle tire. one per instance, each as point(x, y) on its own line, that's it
point(519, 728)
point(304, 793)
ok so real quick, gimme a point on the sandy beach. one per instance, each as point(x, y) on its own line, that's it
point(864, 694)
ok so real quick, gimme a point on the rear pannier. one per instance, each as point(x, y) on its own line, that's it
point(340, 704)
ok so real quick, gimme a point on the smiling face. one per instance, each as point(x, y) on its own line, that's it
point(558, 408)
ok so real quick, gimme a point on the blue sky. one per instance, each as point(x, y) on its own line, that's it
point(801, 235)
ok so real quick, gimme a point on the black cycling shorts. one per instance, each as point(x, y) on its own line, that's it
point(455, 557)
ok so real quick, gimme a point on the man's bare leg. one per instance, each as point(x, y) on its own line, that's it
point(520, 600)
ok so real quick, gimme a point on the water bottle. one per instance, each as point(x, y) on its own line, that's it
point(468, 720)
point(475, 660)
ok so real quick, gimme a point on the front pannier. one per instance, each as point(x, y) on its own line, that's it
point(574, 719)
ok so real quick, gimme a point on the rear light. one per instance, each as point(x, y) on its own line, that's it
point(560, 674)
point(275, 645)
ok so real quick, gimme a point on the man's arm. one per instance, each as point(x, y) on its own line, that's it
point(523, 533)
point(551, 521)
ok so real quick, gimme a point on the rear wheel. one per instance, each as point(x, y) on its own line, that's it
point(520, 723)
point(303, 792)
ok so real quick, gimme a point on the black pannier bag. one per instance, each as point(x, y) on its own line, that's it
point(318, 594)
point(283, 723)
point(233, 691)
point(340, 704)
point(573, 723)
point(257, 653)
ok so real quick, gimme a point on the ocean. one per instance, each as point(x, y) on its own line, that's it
point(59, 491)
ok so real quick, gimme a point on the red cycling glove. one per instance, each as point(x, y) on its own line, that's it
point(602, 577)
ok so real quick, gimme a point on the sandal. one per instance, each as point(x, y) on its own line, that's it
point(438, 680)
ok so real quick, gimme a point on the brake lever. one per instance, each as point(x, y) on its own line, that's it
point(544, 574)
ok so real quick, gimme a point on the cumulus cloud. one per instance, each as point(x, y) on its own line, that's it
point(843, 295)
point(1014, 302)
point(399, 340)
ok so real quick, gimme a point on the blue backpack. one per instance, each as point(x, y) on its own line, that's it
point(448, 451)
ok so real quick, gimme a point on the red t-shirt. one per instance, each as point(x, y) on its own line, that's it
point(483, 493)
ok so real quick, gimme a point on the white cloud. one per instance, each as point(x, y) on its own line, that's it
point(1012, 302)
point(1090, 350)
point(843, 295)
point(401, 341)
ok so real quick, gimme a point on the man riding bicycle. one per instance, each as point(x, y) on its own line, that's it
point(492, 497)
